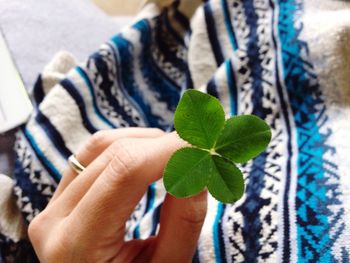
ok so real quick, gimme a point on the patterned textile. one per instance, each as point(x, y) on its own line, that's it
point(258, 57)
point(20, 251)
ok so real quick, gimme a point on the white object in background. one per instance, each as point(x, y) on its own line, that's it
point(15, 106)
point(120, 8)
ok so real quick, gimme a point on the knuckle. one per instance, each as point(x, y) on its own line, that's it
point(34, 230)
point(194, 214)
point(194, 219)
point(157, 131)
point(124, 160)
point(96, 141)
point(49, 248)
point(36, 226)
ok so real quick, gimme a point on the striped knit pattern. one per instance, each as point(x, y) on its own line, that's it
point(254, 56)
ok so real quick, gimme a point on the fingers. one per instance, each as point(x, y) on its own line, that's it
point(181, 222)
point(99, 143)
point(115, 193)
point(100, 200)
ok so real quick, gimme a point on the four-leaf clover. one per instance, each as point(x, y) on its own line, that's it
point(217, 145)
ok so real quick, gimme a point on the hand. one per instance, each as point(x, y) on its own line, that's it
point(85, 219)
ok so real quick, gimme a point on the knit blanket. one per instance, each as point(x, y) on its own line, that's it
point(287, 61)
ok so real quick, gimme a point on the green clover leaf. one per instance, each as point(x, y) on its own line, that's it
point(184, 172)
point(243, 138)
point(217, 146)
point(199, 119)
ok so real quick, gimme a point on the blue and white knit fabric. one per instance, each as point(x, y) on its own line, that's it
point(272, 58)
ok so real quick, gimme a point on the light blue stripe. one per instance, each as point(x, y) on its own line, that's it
point(319, 198)
point(152, 199)
point(88, 84)
point(216, 233)
point(137, 232)
point(228, 24)
point(231, 86)
point(41, 155)
point(151, 202)
point(153, 196)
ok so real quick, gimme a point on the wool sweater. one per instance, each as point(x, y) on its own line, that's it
point(286, 61)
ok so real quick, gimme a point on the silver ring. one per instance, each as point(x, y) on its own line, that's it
point(75, 164)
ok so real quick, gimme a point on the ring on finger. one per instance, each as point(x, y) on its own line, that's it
point(75, 164)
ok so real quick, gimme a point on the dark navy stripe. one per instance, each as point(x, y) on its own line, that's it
point(231, 83)
point(195, 258)
point(165, 45)
point(50, 168)
point(120, 82)
point(150, 72)
point(337, 228)
point(184, 22)
point(23, 181)
point(181, 18)
point(136, 234)
point(87, 80)
point(221, 234)
point(170, 28)
point(69, 87)
point(212, 34)
point(38, 91)
point(251, 209)
point(53, 135)
point(16, 251)
point(286, 224)
point(219, 242)
point(107, 85)
point(228, 24)
point(151, 194)
point(212, 89)
point(189, 82)
point(254, 60)
point(164, 75)
point(253, 204)
point(148, 36)
point(167, 91)
point(155, 219)
point(218, 234)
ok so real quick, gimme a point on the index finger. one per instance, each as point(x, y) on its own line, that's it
point(115, 193)
point(98, 143)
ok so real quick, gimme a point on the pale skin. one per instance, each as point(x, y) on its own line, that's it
point(85, 219)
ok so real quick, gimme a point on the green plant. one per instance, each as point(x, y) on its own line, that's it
point(217, 145)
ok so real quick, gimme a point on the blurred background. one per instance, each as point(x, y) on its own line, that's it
point(35, 30)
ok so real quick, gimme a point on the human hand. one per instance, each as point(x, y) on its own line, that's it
point(85, 219)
